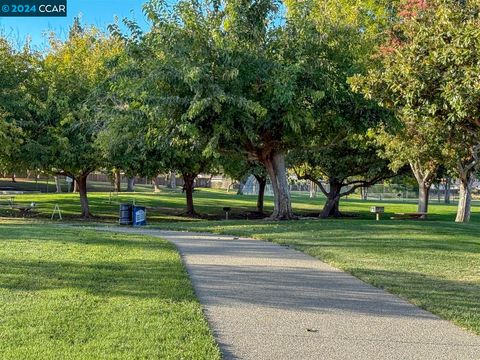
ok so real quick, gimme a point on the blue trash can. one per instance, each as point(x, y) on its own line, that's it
point(125, 214)
point(139, 215)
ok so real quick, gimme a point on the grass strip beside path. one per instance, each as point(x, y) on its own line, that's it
point(79, 294)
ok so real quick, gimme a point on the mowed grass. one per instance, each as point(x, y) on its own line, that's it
point(78, 294)
point(433, 264)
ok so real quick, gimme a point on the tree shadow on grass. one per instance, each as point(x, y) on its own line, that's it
point(163, 279)
point(66, 235)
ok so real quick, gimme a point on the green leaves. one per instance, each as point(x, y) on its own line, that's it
point(16, 70)
point(431, 82)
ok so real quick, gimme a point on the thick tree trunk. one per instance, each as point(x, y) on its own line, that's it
point(118, 181)
point(75, 186)
point(275, 166)
point(448, 185)
point(57, 184)
point(173, 180)
point(262, 183)
point(424, 179)
point(131, 184)
point(189, 181)
point(465, 197)
point(156, 184)
point(82, 187)
point(332, 205)
point(423, 197)
point(331, 208)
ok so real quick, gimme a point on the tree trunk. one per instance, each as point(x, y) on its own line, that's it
point(262, 183)
point(313, 190)
point(82, 187)
point(57, 184)
point(131, 184)
point(423, 197)
point(275, 166)
point(424, 179)
point(465, 197)
point(189, 180)
point(173, 180)
point(118, 181)
point(156, 184)
point(448, 185)
point(364, 193)
point(75, 186)
point(332, 205)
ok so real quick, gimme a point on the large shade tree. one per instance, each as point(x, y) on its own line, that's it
point(65, 135)
point(429, 77)
point(219, 78)
point(16, 71)
point(338, 150)
point(340, 169)
point(152, 85)
point(249, 91)
point(290, 61)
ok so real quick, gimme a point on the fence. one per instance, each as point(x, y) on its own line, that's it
point(103, 182)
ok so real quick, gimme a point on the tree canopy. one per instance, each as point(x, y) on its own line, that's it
point(429, 78)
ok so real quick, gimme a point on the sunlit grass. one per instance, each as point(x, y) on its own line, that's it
point(78, 294)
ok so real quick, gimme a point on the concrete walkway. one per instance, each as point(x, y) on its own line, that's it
point(265, 301)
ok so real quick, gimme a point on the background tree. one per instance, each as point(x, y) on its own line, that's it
point(336, 40)
point(65, 136)
point(429, 77)
point(16, 71)
point(346, 166)
point(123, 142)
point(154, 85)
point(415, 145)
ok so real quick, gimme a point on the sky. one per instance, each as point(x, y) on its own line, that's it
point(94, 12)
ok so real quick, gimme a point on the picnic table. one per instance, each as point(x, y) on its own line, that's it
point(409, 216)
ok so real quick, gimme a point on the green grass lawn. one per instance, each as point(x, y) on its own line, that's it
point(434, 264)
point(169, 205)
point(78, 294)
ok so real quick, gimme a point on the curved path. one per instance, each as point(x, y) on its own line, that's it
point(265, 301)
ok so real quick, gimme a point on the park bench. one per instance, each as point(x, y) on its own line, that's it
point(409, 216)
point(25, 210)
